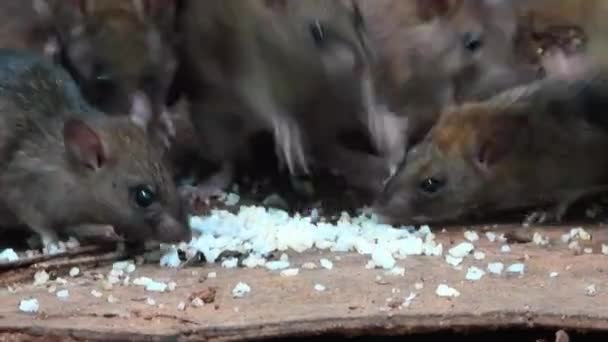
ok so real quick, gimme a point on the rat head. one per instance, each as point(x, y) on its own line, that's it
point(459, 167)
point(115, 48)
point(124, 178)
point(332, 32)
point(462, 33)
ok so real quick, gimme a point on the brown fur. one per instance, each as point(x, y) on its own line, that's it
point(64, 164)
point(254, 67)
point(423, 64)
point(115, 48)
point(531, 146)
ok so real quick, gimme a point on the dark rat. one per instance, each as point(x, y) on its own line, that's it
point(65, 164)
point(534, 145)
point(113, 48)
point(16, 32)
point(274, 65)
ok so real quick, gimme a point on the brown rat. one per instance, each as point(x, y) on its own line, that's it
point(113, 48)
point(278, 65)
point(433, 53)
point(534, 145)
point(65, 164)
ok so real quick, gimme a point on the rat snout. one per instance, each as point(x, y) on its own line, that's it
point(171, 230)
point(393, 204)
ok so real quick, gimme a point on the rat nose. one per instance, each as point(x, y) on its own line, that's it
point(171, 230)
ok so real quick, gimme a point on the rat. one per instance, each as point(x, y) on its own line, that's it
point(113, 48)
point(534, 145)
point(16, 31)
point(435, 53)
point(274, 65)
point(64, 164)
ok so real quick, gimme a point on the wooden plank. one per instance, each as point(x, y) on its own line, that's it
point(354, 303)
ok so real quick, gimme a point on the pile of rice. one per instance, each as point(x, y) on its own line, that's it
point(258, 232)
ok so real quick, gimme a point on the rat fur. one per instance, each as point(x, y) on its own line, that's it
point(534, 145)
point(64, 164)
point(299, 69)
point(113, 48)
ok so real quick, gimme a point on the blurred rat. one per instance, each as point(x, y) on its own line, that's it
point(274, 65)
point(16, 31)
point(113, 48)
point(434, 53)
point(64, 164)
point(534, 145)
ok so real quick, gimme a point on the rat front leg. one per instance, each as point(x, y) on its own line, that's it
point(223, 133)
point(210, 187)
point(551, 215)
point(289, 145)
point(94, 233)
point(388, 131)
point(48, 238)
point(288, 136)
point(557, 212)
point(50, 241)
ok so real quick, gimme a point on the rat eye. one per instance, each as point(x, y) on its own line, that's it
point(431, 185)
point(100, 74)
point(144, 196)
point(472, 42)
point(103, 78)
point(318, 32)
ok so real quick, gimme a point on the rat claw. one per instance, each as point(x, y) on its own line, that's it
point(211, 187)
point(289, 146)
point(553, 215)
point(50, 242)
point(536, 217)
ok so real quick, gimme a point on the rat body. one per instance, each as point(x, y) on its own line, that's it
point(535, 145)
point(299, 69)
point(65, 164)
point(113, 48)
point(434, 53)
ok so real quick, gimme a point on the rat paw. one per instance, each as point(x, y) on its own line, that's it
point(52, 247)
point(536, 217)
point(212, 187)
point(198, 194)
point(389, 134)
point(49, 242)
point(554, 215)
point(289, 145)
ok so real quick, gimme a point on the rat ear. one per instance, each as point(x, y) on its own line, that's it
point(83, 144)
point(498, 138)
point(431, 9)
